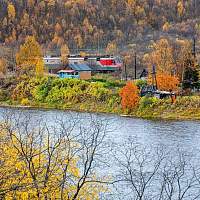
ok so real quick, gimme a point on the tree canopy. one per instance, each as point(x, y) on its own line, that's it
point(29, 58)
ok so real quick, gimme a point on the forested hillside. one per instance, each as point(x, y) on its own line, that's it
point(93, 23)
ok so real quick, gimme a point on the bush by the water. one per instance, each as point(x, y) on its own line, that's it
point(140, 83)
point(146, 102)
point(129, 96)
point(55, 91)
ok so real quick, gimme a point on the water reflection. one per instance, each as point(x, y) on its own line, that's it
point(171, 135)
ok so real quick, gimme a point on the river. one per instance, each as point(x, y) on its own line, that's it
point(172, 135)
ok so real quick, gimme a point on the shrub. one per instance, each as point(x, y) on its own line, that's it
point(113, 100)
point(24, 89)
point(97, 91)
point(25, 102)
point(129, 96)
point(148, 102)
point(55, 90)
point(4, 95)
point(108, 80)
point(140, 83)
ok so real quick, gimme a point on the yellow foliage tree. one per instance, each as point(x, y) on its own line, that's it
point(39, 68)
point(111, 48)
point(79, 41)
point(161, 56)
point(30, 3)
point(29, 55)
point(83, 54)
point(87, 25)
point(3, 66)
point(166, 26)
point(11, 11)
point(64, 53)
point(180, 8)
point(36, 166)
point(182, 53)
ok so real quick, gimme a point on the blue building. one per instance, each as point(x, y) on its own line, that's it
point(76, 70)
point(68, 74)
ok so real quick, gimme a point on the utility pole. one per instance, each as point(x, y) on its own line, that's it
point(194, 31)
point(125, 71)
point(194, 47)
point(135, 59)
point(194, 8)
point(154, 77)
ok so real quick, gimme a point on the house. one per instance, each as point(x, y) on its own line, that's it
point(68, 74)
point(76, 70)
point(152, 91)
point(85, 65)
point(99, 63)
point(53, 64)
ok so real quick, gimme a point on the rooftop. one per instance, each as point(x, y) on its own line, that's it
point(79, 67)
point(65, 71)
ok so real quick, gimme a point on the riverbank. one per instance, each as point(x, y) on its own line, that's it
point(185, 108)
point(96, 96)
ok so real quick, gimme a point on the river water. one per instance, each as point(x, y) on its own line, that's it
point(173, 135)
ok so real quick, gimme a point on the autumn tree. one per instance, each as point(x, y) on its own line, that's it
point(3, 66)
point(151, 172)
point(190, 74)
point(166, 82)
point(111, 48)
point(180, 8)
point(29, 58)
point(166, 27)
point(78, 40)
point(11, 11)
point(39, 68)
point(64, 53)
point(129, 96)
point(87, 25)
point(161, 56)
point(181, 53)
point(45, 162)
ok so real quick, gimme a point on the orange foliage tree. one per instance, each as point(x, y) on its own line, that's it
point(129, 95)
point(166, 82)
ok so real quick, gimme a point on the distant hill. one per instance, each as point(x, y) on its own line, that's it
point(89, 23)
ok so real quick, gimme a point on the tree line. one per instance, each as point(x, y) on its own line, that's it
point(89, 23)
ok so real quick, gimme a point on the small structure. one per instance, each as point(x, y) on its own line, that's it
point(68, 74)
point(84, 71)
point(151, 91)
point(144, 74)
point(76, 70)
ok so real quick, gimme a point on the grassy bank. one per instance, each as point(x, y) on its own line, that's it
point(185, 108)
point(97, 95)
